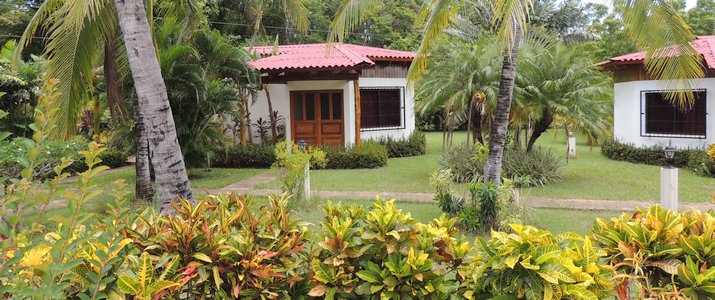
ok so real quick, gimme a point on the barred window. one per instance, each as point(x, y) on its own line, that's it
point(663, 118)
point(380, 108)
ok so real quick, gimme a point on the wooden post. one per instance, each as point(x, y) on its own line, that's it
point(356, 86)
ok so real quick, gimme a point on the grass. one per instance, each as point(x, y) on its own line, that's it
point(589, 176)
point(593, 176)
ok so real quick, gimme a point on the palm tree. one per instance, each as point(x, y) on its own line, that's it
point(654, 26)
point(171, 178)
point(555, 83)
point(466, 80)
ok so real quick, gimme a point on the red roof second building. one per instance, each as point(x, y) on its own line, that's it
point(704, 45)
point(323, 56)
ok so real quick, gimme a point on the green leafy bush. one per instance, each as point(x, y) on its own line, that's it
point(542, 167)
point(527, 263)
point(368, 155)
point(385, 254)
point(292, 164)
point(702, 164)
point(113, 158)
point(245, 156)
point(414, 145)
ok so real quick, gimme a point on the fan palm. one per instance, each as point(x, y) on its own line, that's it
point(654, 26)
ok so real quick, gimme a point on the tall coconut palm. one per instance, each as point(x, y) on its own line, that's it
point(654, 26)
point(171, 178)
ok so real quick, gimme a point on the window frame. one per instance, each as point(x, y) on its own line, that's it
point(643, 117)
point(401, 89)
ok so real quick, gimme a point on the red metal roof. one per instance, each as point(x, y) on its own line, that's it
point(323, 56)
point(705, 45)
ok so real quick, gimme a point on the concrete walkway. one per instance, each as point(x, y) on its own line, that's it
point(248, 187)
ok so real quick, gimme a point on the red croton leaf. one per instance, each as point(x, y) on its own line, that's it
point(160, 295)
point(267, 254)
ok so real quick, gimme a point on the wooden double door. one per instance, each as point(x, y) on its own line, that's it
point(317, 117)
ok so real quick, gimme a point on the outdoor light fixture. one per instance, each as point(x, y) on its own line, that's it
point(302, 145)
point(669, 155)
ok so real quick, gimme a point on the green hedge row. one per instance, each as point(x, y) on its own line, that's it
point(368, 155)
point(50, 156)
point(697, 160)
point(414, 145)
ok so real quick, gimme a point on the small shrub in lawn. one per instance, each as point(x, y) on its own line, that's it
point(542, 167)
point(414, 145)
point(291, 163)
point(245, 156)
point(368, 155)
point(113, 158)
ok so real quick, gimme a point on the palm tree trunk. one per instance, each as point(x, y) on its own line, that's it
point(497, 135)
point(144, 190)
point(112, 80)
point(540, 127)
point(171, 178)
point(271, 116)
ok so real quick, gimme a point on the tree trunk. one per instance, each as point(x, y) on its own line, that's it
point(144, 190)
point(165, 153)
point(497, 135)
point(112, 81)
point(540, 127)
point(249, 131)
point(477, 126)
point(271, 116)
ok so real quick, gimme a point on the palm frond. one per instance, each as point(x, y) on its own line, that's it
point(657, 28)
point(350, 14)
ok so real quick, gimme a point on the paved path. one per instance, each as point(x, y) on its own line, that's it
point(248, 187)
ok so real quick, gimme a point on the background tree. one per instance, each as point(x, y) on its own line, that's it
point(19, 83)
point(702, 17)
point(651, 25)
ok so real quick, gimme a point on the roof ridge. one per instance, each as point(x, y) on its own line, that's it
point(351, 55)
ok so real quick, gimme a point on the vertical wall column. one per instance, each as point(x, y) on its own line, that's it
point(356, 87)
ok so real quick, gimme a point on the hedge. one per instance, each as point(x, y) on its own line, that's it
point(697, 160)
point(368, 155)
point(414, 145)
point(246, 156)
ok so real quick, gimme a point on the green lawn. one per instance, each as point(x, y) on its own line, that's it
point(589, 176)
point(593, 176)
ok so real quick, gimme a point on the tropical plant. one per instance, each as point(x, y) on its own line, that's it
point(384, 253)
point(527, 263)
point(222, 246)
point(644, 20)
point(555, 84)
point(19, 83)
point(659, 252)
point(293, 163)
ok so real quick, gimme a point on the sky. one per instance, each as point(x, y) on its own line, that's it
point(689, 3)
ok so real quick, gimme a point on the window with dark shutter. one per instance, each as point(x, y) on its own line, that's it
point(380, 108)
point(662, 118)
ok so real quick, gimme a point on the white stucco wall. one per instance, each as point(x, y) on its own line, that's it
point(280, 98)
point(627, 114)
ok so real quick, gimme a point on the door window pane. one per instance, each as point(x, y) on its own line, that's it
point(298, 106)
point(337, 106)
point(324, 106)
point(310, 106)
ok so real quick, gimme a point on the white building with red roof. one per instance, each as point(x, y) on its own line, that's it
point(336, 93)
point(644, 117)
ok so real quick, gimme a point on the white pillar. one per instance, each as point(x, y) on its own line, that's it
point(669, 188)
point(306, 182)
point(572, 147)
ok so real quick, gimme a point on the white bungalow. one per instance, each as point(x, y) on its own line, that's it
point(337, 94)
point(643, 117)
